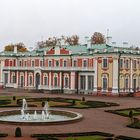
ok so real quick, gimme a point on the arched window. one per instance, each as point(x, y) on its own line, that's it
point(104, 82)
point(66, 82)
point(55, 81)
point(126, 82)
point(45, 80)
point(30, 80)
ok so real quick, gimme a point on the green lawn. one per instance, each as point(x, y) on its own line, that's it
point(126, 112)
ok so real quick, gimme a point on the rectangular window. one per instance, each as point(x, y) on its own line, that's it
point(30, 80)
point(82, 82)
point(57, 63)
point(41, 63)
point(74, 63)
point(134, 64)
point(105, 63)
point(25, 63)
point(85, 63)
point(104, 83)
point(45, 81)
point(65, 63)
point(50, 63)
point(90, 82)
point(5, 78)
point(126, 83)
point(33, 63)
point(121, 63)
point(14, 79)
point(127, 64)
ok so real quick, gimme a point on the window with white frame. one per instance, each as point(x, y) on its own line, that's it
point(90, 82)
point(66, 82)
point(57, 63)
point(127, 64)
point(20, 63)
point(33, 63)
point(45, 80)
point(50, 63)
point(30, 80)
point(65, 63)
point(82, 82)
point(74, 63)
point(41, 63)
point(104, 82)
point(121, 63)
point(134, 64)
point(85, 63)
point(55, 81)
point(126, 82)
point(25, 63)
point(13, 78)
point(105, 63)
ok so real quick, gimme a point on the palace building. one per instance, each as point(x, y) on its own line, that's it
point(82, 69)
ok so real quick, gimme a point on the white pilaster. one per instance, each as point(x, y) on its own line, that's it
point(50, 80)
point(131, 75)
point(115, 76)
point(72, 76)
point(95, 74)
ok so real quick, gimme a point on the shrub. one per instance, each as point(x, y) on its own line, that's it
point(83, 99)
point(43, 104)
point(18, 132)
point(131, 115)
point(14, 98)
point(48, 99)
point(73, 102)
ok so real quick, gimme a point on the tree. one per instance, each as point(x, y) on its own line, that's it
point(51, 41)
point(73, 40)
point(98, 38)
point(20, 47)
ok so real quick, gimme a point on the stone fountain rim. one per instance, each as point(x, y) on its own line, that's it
point(78, 117)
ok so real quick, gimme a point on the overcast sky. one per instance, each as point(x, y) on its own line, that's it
point(30, 21)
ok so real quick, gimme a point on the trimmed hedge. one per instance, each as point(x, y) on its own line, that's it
point(126, 138)
point(3, 135)
point(73, 134)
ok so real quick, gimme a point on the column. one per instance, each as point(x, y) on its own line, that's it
point(26, 79)
point(17, 78)
point(72, 76)
point(131, 76)
point(95, 67)
point(115, 76)
point(50, 80)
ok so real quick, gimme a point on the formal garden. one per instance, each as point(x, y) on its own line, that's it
point(16, 101)
point(82, 103)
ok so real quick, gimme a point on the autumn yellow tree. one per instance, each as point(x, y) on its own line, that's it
point(20, 47)
point(98, 38)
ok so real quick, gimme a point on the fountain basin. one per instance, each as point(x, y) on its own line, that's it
point(56, 117)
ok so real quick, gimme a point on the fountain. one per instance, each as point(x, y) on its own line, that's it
point(38, 116)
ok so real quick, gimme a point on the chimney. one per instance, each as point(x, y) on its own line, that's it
point(114, 43)
point(125, 44)
point(108, 40)
point(15, 49)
